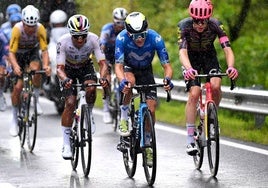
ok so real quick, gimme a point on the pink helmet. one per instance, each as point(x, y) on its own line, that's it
point(200, 9)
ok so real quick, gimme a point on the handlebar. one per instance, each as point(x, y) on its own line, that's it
point(210, 75)
point(142, 88)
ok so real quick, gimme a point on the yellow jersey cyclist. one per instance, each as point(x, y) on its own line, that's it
point(27, 38)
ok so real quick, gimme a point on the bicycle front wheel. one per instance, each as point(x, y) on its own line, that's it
point(86, 138)
point(149, 152)
point(213, 145)
point(31, 124)
point(21, 120)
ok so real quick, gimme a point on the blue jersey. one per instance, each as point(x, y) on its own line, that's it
point(107, 38)
point(4, 46)
point(127, 53)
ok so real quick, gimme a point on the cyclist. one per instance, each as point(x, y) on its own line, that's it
point(74, 63)
point(15, 10)
point(27, 38)
point(134, 51)
point(4, 45)
point(197, 53)
point(107, 42)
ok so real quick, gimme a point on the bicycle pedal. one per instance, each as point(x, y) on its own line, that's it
point(121, 147)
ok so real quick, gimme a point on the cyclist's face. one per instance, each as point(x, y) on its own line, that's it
point(200, 24)
point(29, 30)
point(139, 38)
point(79, 40)
point(119, 26)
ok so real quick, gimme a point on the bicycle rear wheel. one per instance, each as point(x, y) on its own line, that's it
point(150, 148)
point(86, 139)
point(31, 124)
point(213, 145)
point(198, 158)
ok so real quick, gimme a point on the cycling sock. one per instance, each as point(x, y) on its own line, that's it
point(66, 135)
point(190, 133)
point(124, 112)
point(106, 104)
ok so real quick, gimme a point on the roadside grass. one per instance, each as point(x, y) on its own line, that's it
point(235, 125)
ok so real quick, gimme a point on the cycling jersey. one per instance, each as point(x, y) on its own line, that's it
point(68, 54)
point(130, 55)
point(4, 45)
point(194, 42)
point(20, 42)
point(107, 38)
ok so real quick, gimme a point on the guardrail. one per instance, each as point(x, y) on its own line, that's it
point(239, 99)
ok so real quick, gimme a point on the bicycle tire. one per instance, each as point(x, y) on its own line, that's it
point(149, 170)
point(130, 146)
point(213, 145)
point(31, 125)
point(74, 141)
point(116, 113)
point(21, 122)
point(198, 158)
point(86, 139)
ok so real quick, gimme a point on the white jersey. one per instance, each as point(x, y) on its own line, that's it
point(68, 54)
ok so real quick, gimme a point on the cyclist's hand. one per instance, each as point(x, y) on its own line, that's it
point(104, 82)
point(67, 83)
point(17, 70)
point(123, 86)
point(190, 74)
point(168, 85)
point(48, 70)
point(232, 73)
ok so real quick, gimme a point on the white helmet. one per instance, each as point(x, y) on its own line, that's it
point(30, 15)
point(119, 14)
point(57, 17)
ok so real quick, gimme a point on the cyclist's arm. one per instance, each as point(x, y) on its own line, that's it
point(14, 44)
point(42, 37)
point(184, 58)
point(168, 70)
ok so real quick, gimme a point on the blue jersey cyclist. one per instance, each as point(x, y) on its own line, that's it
point(197, 53)
point(135, 48)
point(4, 45)
point(107, 43)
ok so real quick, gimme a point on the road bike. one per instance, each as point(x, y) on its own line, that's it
point(81, 134)
point(140, 124)
point(207, 133)
point(27, 110)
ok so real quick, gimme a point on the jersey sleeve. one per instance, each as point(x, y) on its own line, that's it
point(14, 40)
point(161, 49)
point(119, 48)
point(61, 56)
point(42, 37)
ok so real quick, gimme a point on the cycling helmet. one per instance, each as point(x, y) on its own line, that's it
point(78, 25)
point(30, 15)
point(200, 9)
point(136, 22)
point(57, 17)
point(119, 14)
point(16, 17)
point(11, 9)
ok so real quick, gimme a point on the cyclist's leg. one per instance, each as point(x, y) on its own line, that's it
point(66, 124)
point(123, 126)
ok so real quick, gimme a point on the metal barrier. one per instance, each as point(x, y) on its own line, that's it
point(239, 99)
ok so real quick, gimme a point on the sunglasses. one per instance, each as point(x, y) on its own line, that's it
point(136, 36)
point(76, 37)
point(200, 21)
point(119, 23)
